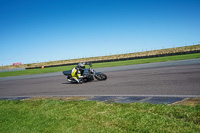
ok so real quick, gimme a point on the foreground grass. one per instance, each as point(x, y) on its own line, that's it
point(90, 116)
point(106, 64)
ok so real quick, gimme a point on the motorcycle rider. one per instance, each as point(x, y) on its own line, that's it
point(77, 72)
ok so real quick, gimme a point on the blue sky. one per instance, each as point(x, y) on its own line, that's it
point(34, 31)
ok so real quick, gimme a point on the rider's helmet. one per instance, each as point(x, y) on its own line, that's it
point(81, 66)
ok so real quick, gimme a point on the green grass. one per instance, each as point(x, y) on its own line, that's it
point(148, 60)
point(98, 65)
point(48, 116)
point(118, 56)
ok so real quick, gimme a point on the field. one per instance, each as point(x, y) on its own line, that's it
point(59, 116)
point(98, 65)
point(119, 56)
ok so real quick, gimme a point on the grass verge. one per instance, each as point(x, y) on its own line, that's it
point(110, 57)
point(98, 65)
point(91, 116)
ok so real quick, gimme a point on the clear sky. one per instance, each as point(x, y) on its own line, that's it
point(34, 31)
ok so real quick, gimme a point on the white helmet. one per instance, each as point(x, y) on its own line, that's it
point(81, 66)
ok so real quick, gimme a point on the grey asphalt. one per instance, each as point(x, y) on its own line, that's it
point(153, 82)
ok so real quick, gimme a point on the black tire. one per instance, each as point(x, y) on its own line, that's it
point(80, 81)
point(101, 77)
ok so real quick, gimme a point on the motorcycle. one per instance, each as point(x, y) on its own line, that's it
point(89, 75)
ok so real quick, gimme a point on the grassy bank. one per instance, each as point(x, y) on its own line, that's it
point(106, 64)
point(110, 57)
point(90, 116)
point(148, 60)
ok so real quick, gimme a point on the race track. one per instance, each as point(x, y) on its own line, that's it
point(159, 79)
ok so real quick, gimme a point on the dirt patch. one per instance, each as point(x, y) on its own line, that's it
point(188, 101)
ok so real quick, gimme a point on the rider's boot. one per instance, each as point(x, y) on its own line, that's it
point(80, 81)
point(77, 80)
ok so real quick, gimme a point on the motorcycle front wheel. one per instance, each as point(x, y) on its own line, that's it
point(101, 77)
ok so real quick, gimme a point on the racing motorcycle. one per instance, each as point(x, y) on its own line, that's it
point(89, 75)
